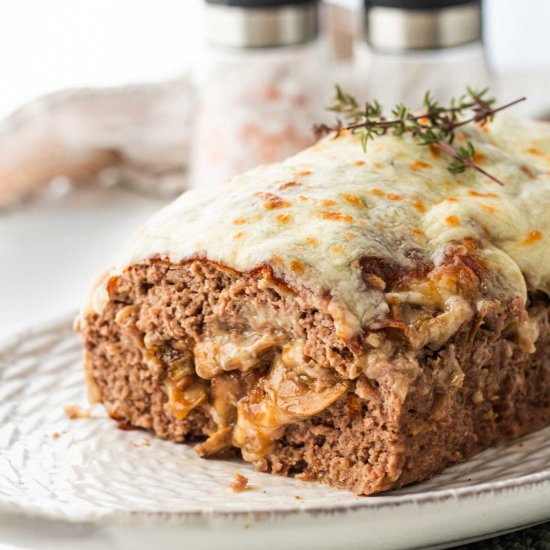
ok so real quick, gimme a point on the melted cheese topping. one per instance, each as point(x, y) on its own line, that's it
point(313, 216)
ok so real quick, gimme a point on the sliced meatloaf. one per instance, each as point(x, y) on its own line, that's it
point(362, 320)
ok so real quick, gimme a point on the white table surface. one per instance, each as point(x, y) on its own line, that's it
point(52, 249)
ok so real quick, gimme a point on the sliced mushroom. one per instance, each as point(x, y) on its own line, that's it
point(218, 441)
point(227, 351)
point(295, 388)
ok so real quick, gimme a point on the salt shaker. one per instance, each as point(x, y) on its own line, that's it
point(262, 83)
point(410, 46)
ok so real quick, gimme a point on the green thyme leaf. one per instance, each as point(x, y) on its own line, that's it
point(436, 125)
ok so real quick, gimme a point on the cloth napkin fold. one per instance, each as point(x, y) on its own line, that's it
point(139, 134)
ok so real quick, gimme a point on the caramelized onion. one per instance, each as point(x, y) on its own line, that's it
point(185, 396)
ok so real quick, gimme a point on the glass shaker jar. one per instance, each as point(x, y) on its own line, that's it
point(261, 85)
point(410, 46)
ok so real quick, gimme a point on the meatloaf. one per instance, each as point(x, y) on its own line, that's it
point(361, 319)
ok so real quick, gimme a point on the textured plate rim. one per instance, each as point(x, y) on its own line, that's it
point(377, 502)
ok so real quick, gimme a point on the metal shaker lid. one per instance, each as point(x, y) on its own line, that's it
point(402, 25)
point(261, 23)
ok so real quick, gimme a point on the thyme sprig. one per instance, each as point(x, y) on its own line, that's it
point(435, 125)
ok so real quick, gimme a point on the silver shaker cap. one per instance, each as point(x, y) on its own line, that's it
point(260, 23)
point(402, 25)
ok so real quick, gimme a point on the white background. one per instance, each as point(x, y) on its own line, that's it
point(46, 45)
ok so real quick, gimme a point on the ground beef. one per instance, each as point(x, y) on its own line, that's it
point(401, 420)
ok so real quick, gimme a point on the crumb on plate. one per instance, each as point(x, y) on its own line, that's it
point(239, 483)
point(76, 412)
point(140, 443)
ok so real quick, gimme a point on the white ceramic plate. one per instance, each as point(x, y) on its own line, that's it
point(85, 484)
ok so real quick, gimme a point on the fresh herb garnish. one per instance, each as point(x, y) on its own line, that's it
point(435, 126)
